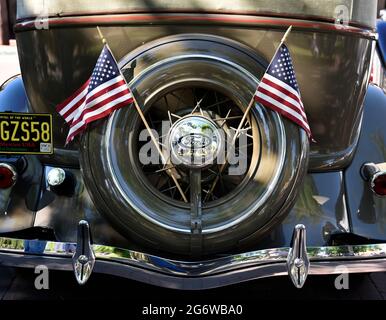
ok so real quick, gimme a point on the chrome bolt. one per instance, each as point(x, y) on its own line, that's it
point(299, 263)
point(83, 259)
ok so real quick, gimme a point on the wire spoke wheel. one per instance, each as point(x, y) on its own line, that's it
point(216, 107)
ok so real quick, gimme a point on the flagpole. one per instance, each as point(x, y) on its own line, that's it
point(250, 105)
point(241, 124)
point(278, 47)
point(104, 41)
point(153, 138)
point(285, 35)
point(156, 143)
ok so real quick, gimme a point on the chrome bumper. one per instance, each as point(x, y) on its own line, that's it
point(192, 275)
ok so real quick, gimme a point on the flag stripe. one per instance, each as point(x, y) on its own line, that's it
point(290, 116)
point(277, 87)
point(279, 106)
point(283, 85)
point(283, 97)
point(105, 85)
point(91, 113)
point(284, 113)
point(70, 114)
point(69, 102)
point(281, 100)
point(107, 98)
point(105, 95)
point(100, 114)
point(121, 82)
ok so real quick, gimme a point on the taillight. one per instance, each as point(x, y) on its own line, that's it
point(376, 175)
point(8, 176)
point(378, 183)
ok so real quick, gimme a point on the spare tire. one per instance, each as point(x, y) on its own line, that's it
point(169, 77)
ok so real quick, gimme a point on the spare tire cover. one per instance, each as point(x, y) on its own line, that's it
point(121, 191)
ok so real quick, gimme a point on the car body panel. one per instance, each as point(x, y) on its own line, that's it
point(381, 29)
point(57, 61)
point(367, 209)
point(13, 96)
point(320, 206)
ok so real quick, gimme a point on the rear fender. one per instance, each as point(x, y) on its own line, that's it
point(18, 203)
point(367, 210)
point(13, 97)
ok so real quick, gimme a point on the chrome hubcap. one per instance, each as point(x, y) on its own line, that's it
point(195, 141)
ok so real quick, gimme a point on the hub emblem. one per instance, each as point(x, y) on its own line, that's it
point(194, 141)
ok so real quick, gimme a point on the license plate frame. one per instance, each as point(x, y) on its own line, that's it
point(26, 133)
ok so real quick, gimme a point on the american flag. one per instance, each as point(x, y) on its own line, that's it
point(105, 91)
point(279, 89)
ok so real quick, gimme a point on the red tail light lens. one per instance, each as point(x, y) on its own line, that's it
point(378, 183)
point(8, 176)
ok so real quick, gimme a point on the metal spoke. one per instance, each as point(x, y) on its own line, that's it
point(239, 130)
point(164, 169)
point(175, 115)
point(218, 106)
point(196, 186)
point(228, 118)
point(217, 103)
point(197, 106)
point(168, 189)
point(210, 170)
point(195, 210)
point(179, 99)
point(241, 124)
point(170, 118)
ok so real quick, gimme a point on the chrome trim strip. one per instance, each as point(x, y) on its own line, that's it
point(358, 11)
point(208, 18)
point(192, 275)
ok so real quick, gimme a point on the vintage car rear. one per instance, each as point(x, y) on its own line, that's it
point(196, 64)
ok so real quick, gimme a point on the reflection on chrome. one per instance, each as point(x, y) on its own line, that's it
point(187, 274)
point(189, 268)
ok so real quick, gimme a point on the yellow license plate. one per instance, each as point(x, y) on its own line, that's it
point(25, 133)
